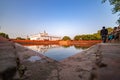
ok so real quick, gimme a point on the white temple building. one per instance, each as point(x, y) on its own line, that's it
point(44, 36)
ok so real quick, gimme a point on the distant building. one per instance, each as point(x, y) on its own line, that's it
point(44, 36)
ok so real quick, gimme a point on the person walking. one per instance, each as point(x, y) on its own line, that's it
point(104, 33)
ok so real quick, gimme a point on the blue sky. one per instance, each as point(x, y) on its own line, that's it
point(57, 17)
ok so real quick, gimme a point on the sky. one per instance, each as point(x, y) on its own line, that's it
point(21, 18)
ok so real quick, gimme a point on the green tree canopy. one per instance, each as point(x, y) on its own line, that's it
point(19, 38)
point(116, 7)
point(77, 37)
point(110, 29)
point(115, 3)
point(95, 36)
point(4, 35)
point(66, 38)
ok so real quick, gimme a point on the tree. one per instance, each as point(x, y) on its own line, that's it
point(19, 38)
point(118, 21)
point(66, 38)
point(115, 3)
point(116, 7)
point(77, 37)
point(4, 35)
point(95, 36)
point(109, 29)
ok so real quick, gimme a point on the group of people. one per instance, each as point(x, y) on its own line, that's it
point(114, 35)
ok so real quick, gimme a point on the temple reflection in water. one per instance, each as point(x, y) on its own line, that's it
point(56, 52)
point(43, 48)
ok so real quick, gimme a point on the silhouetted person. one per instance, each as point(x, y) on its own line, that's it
point(104, 33)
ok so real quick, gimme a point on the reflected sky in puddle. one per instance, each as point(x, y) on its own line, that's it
point(34, 58)
point(55, 52)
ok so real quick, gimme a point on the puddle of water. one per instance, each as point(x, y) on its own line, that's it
point(55, 52)
point(34, 58)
